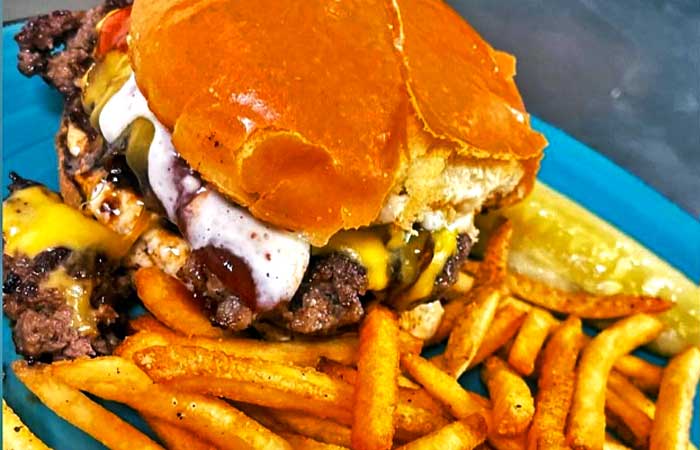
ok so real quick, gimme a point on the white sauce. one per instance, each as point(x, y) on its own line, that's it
point(277, 259)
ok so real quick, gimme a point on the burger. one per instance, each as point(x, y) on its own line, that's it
point(288, 162)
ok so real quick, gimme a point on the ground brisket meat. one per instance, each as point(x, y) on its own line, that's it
point(225, 308)
point(448, 276)
point(43, 322)
point(329, 296)
point(58, 47)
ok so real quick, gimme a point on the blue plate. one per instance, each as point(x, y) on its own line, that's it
point(31, 113)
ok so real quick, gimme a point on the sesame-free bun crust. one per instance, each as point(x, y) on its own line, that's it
point(299, 110)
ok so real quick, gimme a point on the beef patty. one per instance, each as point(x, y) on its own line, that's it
point(45, 325)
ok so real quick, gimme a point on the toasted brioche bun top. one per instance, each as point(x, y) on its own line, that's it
point(300, 111)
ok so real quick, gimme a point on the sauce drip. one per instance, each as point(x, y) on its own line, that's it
point(231, 270)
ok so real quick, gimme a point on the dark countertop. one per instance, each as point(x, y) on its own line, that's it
point(622, 76)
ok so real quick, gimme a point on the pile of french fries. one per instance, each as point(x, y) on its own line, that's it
point(199, 388)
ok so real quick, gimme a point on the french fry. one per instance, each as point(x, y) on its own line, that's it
point(493, 268)
point(513, 405)
point(146, 322)
point(642, 373)
point(631, 393)
point(376, 389)
point(117, 379)
point(321, 430)
point(413, 422)
point(674, 407)
point(518, 442)
point(491, 271)
point(349, 374)
point(582, 304)
point(464, 434)
point(613, 444)
point(556, 387)
point(302, 353)
point(75, 407)
point(529, 340)
point(170, 301)
point(587, 418)
point(463, 284)
point(505, 325)
point(470, 329)
point(266, 383)
point(453, 310)
point(460, 402)
point(15, 434)
point(299, 442)
point(638, 423)
point(176, 438)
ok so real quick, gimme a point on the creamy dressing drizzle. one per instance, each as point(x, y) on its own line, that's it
point(276, 259)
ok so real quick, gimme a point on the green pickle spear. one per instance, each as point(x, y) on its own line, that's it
point(559, 242)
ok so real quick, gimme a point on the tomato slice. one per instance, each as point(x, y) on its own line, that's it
point(112, 32)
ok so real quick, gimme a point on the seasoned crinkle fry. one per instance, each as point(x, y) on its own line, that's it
point(117, 379)
point(513, 405)
point(75, 407)
point(15, 434)
point(556, 387)
point(470, 330)
point(587, 418)
point(170, 301)
point(582, 304)
point(376, 389)
point(176, 438)
point(464, 434)
point(674, 407)
point(461, 403)
point(529, 340)
point(635, 421)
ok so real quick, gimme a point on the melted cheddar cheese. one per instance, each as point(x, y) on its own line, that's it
point(35, 219)
point(370, 248)
point(367, 248)
point(444, 246)
point(76, 294)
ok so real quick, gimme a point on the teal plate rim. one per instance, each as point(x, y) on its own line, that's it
point(31, 113)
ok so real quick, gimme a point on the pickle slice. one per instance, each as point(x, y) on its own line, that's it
point(557, 241)
point(102, 81)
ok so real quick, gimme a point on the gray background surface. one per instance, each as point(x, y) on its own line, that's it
point(620, 75)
